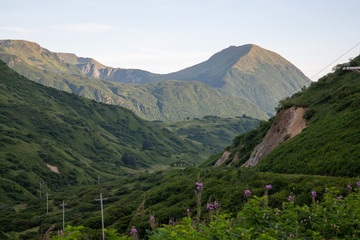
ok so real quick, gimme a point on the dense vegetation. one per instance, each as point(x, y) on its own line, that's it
point(82, 138)
point(165, 195)
point(335, 217)
point(329, 145)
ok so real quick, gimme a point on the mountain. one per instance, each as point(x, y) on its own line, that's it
point(165, 100)
point(314, 132)
point(258, 75)
point(59, 138)
point(249, 71)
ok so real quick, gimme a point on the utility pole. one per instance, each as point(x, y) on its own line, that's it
point(102, 214)
point(63, 206)
point(47, 203)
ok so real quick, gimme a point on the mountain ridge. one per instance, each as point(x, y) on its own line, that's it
point(271, 82)
point(233, 71)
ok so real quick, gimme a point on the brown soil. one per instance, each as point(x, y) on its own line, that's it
point(287, 124)
point(223, 158)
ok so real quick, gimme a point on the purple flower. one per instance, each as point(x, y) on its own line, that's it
point(188, 210)
point(349, 188)
point(133, 231)
point(313, 194)
point(358, 183)
point(171, 221)
point(340, 197)
point(291, 198)
point(247, 193)
point(152, 218)
point(216, 205)
point(199, 186)
point(268, 187)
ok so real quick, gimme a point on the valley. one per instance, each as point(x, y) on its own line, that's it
point(73, 148)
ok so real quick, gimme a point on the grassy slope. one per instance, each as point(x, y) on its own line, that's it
point(81, 137)
point(213, 132)
point(329, 145)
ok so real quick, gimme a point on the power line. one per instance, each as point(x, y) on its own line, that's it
point(336, 60)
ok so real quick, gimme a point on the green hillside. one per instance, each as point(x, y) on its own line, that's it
point(213, 132)
point(329, 145)
point(165, 101)
point(82, 138)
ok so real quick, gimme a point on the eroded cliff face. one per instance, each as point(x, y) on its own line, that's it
point(287, 124)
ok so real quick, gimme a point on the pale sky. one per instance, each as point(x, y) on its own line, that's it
point(164, 36)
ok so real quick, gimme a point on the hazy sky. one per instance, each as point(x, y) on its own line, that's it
point(163, 36)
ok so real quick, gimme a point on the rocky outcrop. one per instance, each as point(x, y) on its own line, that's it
point(223, 158)
point(287, 124)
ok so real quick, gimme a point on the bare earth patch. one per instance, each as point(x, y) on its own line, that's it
point(287, 124)
point(53, 168)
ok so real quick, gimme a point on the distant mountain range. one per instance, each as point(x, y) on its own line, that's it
point(236, 81)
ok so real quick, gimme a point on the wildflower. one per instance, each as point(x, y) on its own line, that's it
point(291, 198)
point(247, 193)
point(216, 205)
point(313, 194)
point(209, 207)
point(349, 187)
point(358, 184)
point(188, 210)
point(171, 221)
point(268, 187)
point(133, 231)
point(199, 186)
point(340, 197)
point(152, 222)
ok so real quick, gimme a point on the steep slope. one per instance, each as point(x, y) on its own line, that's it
point(329, 145)
point(60, 138)
point(261, 76)
point(166, 100)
